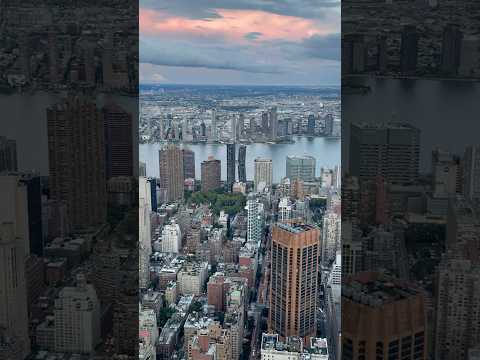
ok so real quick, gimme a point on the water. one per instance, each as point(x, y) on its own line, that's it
point(445, 111)
point(326, 151)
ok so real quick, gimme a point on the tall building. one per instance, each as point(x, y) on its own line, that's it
point(118, 141)
point(447, 175)
point(171, 173)
point(451, 49)
point(382, 318)
point(8, 154)
point(301, 167)
point(214, 126)
point(77, 318)
point(409, 50)
point(13, 290)
point(273, 120)
point(171, 238)
point(32, 184)
point(230, 166)
point(293, 285)
point(471, 172)
point(211, 171)
point(242, 171)
point(330, 237)
point(311, 125)
point(254, 220)
point(76, 154)
point(263, 177)
point(188, 164)
point(388, 150)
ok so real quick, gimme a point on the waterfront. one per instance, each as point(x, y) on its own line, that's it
point(326, 151)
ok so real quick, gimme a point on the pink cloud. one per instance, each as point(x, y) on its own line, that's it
point(232, 25)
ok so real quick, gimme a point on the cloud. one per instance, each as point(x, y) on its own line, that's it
point(207, 9)
point(254, 35)
point(323, 46)
point(192, 54)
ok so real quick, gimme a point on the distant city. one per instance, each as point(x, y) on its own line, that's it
point(214, 249)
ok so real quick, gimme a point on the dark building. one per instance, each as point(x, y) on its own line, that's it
point(388, 150)
point(230, 165)
point(328, 125)
point(452, 44)
point(188, 164)
point(203, 130)
point(242, 172)
point(76, 154)
point(118, 141)
point(311, 125)
point(153, 193)
point(171, 173)
point(211, 170)
point(409, 50)
point(34, 205)
point(8, 154)
point(265, 125)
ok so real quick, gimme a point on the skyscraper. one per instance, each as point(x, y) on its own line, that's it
point(213, 126)
point(263, 176)
point(273, 120)
point(451, 49)
point(382, 318)
point(211, 172)
point(76, 148)
point(242, 172)
point(171, 173)
point(188, 164)
point(301, 168)
point(230, 165)
point(8, 154)
point(471, 172)
point(294, 275)
point(409, 50)
point(118, 141)
point(254, 220)
point(311, 125)
point(389, 150)
point(34, 207)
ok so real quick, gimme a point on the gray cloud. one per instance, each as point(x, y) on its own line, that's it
point(323, 46)
point(254, 35)
point(201, 55)
point(205, 9)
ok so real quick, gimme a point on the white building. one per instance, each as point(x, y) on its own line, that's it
point(293, 348)
point(263, 176)
point(284, 209)
point(192, 277)
point(77, 318)
point(171, 238)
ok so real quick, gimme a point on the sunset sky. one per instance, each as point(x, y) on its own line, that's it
point(255, 42)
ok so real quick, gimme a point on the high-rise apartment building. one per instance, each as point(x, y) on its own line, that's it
point(254, 219)
point(451, 49)
point(409, 50)
point(8, 154)
point(471, 172)
point(294, 275)
point(118, 141)
point(213, 126)
point(382, 318)
point(211, 172)
point(171, 238)
point(242, 171)
point(263, 177)
point(389, 150)
point(77, 318)
point(171, 173)
point(447, 174)
point(273, 120)
point(188, 164)
point(230, 166)
point(301, 167)
point(76, 154)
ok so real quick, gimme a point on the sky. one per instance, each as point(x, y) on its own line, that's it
point(240, 42)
